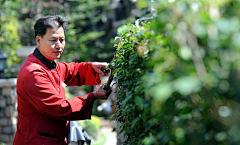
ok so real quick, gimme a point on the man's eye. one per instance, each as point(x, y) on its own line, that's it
point(61, 40)
point(53, 40)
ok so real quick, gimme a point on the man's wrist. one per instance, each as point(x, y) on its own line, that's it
point(94, 95)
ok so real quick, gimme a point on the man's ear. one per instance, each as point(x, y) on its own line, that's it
point(38, 40)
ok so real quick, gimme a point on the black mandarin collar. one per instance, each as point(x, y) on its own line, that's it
point(44, 60)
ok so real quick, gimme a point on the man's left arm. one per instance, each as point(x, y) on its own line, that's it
point(78, 74)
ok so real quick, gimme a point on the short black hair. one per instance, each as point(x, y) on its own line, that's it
point(49, 21)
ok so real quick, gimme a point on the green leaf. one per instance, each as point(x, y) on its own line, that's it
point(127, 98)
point(117, 37)
point(112, 116)
point(139, 102)
point(148, 141)
point(125, 83)
point(142, 4)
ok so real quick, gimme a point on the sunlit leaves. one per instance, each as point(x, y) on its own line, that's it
point(9, 39)
point(130, 63)
point(161, 92)
point(189, 76)
point(187, 85)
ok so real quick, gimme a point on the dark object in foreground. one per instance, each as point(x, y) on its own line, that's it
point(110, 67)
point(110, 79)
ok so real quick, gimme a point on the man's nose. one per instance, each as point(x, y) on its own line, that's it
point(58, 44)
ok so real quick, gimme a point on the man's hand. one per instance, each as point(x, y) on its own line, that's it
point(97, 67)
point(100, 93)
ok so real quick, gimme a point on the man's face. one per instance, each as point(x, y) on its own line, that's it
point(51, 45)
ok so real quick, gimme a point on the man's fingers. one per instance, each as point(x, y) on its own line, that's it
point(102, 64)
point(97, 66)
point(99, 71)
point(105, 71)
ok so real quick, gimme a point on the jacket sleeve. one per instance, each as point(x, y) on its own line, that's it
point(78, 74)
point(43, 96)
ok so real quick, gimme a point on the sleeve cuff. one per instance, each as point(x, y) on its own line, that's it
point(89, 100)
point(89, 105)
point(90, 97)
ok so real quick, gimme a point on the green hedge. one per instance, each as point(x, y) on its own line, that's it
point(178, 75)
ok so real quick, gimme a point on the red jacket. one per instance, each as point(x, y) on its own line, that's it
point(43, 110)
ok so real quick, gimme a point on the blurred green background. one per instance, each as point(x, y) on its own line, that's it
point(90, 36)
point(92, 26)
point(177, 74)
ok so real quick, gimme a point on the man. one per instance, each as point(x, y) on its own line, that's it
point(43, 110)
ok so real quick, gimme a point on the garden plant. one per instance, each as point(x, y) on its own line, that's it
point(178, 74)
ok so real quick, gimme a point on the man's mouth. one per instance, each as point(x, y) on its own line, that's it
point(57, 52)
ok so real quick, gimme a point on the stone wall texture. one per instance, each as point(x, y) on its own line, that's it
point(8, 111)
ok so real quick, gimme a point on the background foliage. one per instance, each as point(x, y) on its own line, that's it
point(178, 76)
point(89, 31)
point(82, 33)
point(9, 37)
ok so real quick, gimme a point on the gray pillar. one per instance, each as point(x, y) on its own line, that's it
point(8, 110)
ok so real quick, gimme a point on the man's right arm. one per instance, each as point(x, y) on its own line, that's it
point(44, 97)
